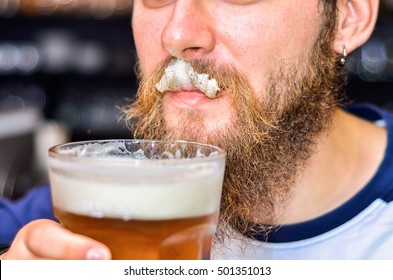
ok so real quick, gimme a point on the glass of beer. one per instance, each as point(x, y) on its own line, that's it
point(144, 199)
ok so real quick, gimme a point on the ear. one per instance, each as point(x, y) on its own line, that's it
point(356, 21)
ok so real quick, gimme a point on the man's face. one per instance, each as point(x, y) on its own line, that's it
point(253, 36)
point(278, 80)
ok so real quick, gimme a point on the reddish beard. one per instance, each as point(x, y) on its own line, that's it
point(268, 142)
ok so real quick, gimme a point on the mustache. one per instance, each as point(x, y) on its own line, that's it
point(233, 85)
point(226, 75)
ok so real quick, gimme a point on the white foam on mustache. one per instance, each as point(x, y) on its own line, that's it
point(179, 75)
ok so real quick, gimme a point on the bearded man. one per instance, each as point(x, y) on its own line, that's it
point(263, 80)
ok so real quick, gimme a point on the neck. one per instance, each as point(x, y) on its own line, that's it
point(346, 158)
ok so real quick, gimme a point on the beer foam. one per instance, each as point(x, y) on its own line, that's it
point(104, 149)
point(155, 193)
point(179, 75)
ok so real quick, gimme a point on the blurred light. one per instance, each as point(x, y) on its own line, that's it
point(57, 48)
point(64, 2)
point(12, 102)
point(9, 8)
point(46, 7)
point(9, 57)
point(34, 96)
point(29, 58)
point(100, 9)
point(22, 95)
point(89, 58)
point(15, 122)
point(374, 56)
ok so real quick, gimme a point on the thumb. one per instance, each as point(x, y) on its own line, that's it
point(46, 239)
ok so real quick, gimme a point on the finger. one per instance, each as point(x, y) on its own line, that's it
point(44, 239)
point(50, 239)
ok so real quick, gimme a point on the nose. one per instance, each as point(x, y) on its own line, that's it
point(189, 33)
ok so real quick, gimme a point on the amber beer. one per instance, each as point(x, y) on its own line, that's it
point(143, 199)
point(185, 239)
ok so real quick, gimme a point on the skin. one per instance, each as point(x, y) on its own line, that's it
point(253, 36)
point(200, 29)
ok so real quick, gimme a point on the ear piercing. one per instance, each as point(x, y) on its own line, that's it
point(344, 55)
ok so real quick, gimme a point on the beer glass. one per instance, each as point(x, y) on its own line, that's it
point(144, 199)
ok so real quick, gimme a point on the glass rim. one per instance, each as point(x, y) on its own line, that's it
point(55, 152)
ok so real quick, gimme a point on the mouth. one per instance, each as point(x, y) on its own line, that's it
point(191, 99)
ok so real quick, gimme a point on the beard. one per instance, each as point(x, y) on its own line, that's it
point(268, 142)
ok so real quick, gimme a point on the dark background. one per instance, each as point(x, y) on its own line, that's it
point(73, 64)
point(84, 70)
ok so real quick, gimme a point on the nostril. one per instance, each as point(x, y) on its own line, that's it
point(188, 53)
point(193, 48)
point(191, 53)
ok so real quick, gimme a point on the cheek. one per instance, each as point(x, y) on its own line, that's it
point(251, 47)
point(147, 37)
point(260, 55)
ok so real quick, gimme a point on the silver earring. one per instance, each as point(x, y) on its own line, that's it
point(344, 56)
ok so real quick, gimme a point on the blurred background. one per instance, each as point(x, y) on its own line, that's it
point(66, 67)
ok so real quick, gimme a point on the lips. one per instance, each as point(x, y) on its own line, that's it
point(189, 99)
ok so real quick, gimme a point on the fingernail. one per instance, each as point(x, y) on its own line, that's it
point(97, 254)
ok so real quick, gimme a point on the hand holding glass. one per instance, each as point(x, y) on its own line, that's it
point(144, 199)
